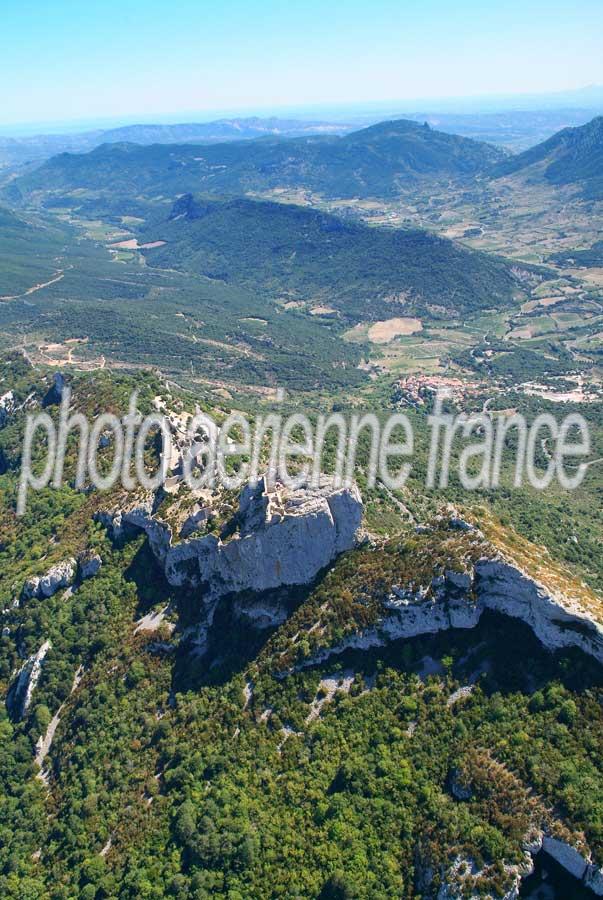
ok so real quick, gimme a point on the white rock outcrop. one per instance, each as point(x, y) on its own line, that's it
point(462, 874)
point(54, 394)
point(557, 621)
point(31, 588)
point(285, 537)
point(458, 599)
point(567, 856)
point(7, 407)
point(576, 861)
point(89, 564)
point(61, 575)
point(20, 695)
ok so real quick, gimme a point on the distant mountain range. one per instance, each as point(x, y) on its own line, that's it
point(35, 148)
point(515, 129)
point(373, 162)
point(572, 156)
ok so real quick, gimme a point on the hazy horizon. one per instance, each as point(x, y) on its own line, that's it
point(588, 97)
point(97, 63)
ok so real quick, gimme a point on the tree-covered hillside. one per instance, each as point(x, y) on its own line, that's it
point(375, 161)
point(28, 253)
point(295, 253)
point(572, 156)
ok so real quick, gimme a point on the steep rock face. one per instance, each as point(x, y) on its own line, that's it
point(55, 392)
point(7, 407)
point(557, 621)
point(458, 599)
point(59, 576)
point(285, 537)
point(89, 564)
point(62, 575)
point(567, 857)
point(593, 879)
point(20, 695)
point(578, 864)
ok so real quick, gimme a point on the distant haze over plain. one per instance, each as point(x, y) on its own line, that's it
point(589, 98)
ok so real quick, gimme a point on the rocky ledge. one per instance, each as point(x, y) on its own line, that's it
point(21, 692)
point(456, 598)
point(62, 575)
point(462, 878)
point(278, 537)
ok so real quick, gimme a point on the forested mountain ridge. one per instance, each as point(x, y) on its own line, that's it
point(42, 146)
point(374, 161)
point(298, 253)
point(572, 156)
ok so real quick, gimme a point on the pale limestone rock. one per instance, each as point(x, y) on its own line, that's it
point(457, 879)
point(557, 621)
point(566, 855)
point(55, 392)
point(570, 858)
point(7, 407)
point(60, 576)
point(458, 600)
point(259, 613)
point(285, 538)
point(89, 564)
point(464, 872)
point(195, 521)
point(31, 588)
point(20, 695)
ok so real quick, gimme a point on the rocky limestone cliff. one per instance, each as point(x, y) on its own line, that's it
point(21, 692)
point(54, 394)
point(89, 564)
point(283, 537)
point(457, 599)
point(579, 865)
point(62, 575)
point(59, 576)
point(7, 407)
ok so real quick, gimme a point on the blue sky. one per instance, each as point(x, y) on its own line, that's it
point(72, 59)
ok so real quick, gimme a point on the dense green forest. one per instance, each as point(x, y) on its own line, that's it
point(187, 324)
point(30, 253)
point(375, 161)
point(572, 156)
point(298, 254)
